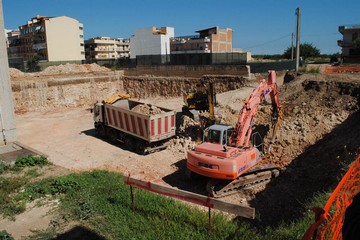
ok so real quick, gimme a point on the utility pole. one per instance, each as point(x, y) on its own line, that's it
point(7, 116)
point(297, 39)
point(292, 46)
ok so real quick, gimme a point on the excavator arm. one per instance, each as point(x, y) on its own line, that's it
point(243, 129)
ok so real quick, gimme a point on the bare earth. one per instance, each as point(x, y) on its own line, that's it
point(319, 119)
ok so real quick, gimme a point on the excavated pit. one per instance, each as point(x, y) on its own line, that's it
point(318, 137)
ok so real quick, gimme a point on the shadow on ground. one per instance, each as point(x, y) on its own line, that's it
point(79, 232)
point(178, 179)
point(92, 133)
point(317, 169)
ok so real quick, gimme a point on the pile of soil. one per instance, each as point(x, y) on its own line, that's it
point(147, 109)
point(14, 73)
point(318, 134)
point(61, 69)
point(74, 68)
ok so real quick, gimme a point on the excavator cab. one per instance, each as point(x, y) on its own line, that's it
point(218, 134)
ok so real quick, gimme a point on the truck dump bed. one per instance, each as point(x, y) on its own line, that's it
point(127, 116)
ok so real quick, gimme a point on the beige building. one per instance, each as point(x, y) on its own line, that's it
point(211, 40)
point(52, 38)
point(103, 48)
point(351, 37)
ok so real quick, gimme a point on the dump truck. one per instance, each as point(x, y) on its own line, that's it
point(142, 127)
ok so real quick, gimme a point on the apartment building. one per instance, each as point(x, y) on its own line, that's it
point(211, 40)
point(151, 41)
point(52, 38)
point(106, 48)
point(13, 43)
point(350, 44)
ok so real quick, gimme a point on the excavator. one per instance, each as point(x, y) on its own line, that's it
point(229, 156)
point(199, 104)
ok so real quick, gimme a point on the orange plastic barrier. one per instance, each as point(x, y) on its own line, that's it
point(329, 220)
point(341, 69)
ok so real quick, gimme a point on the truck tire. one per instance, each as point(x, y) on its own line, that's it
point(140, 147)
point(130, 143)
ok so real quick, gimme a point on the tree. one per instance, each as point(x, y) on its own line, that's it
point(32, 64)
point(306, 50)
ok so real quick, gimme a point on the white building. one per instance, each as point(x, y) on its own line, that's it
point(151, 41)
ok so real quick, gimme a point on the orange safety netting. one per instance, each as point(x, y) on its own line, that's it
point(341, 69)
point(329, 220)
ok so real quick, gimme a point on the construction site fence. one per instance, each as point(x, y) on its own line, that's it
point(262, 67)
point(193, 59)
point(329, 220)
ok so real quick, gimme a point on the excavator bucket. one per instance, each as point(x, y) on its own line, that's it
point(116, 97)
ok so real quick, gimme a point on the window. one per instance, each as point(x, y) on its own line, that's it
point(355, 36)
point(81, 28)
point(81, 44)
point(81, 36)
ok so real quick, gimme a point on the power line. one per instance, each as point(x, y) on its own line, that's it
point(265, 43)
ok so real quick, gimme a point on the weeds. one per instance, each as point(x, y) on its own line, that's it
point(30, 160)
point(305, 69)
point(3, 167)
point(4, 235)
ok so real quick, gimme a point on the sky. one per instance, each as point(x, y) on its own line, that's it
point(259, 26)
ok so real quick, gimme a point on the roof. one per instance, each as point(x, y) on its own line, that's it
point(349, 27)
point(208, 29)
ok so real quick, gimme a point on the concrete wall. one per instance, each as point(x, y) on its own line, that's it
point(7, 117)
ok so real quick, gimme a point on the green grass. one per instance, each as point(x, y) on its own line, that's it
point(101, 202)
point(305, 69)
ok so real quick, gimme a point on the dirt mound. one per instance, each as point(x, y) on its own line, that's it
point(14, 73)
point(318, 134)
point(74, 68)
point(147, 109)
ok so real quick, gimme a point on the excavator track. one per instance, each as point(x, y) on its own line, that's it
point(258, 175)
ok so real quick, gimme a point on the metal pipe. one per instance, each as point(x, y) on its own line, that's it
point(2, 127)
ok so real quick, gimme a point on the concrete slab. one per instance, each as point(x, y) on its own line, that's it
point(10, 152)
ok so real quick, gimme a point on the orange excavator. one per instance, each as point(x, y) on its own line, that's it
point(229, 156)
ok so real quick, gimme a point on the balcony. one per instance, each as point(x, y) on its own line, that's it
point(345, 44)
point(191, 39)
point(102, 49)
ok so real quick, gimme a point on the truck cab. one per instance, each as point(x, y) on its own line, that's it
point(98, 112)
point(218, 134)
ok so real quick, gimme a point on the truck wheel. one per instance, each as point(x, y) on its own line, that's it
point(129, 143)
point(113, 136)
point(140, 147)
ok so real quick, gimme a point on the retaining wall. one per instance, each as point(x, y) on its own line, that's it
point(50, 93)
